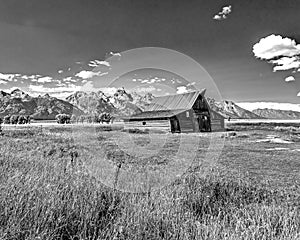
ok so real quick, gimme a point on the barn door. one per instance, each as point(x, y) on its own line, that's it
point(175, 125)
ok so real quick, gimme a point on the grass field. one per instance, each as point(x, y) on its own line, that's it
point(51, 187)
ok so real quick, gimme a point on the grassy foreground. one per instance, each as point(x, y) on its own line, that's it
point(46, 193)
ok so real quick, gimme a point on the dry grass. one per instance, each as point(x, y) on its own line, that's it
point(46, 193)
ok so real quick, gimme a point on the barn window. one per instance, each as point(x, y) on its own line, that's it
point(187, 114)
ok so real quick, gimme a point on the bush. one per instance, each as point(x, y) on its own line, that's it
point(74, 119)
point(22, 119)
point(6, 119)
point(14, 119)
point(63, 118)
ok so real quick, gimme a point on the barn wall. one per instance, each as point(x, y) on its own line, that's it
point(186, 123)
point(150, 124)
point(217, 125)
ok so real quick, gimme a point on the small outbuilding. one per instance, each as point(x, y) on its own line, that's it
point(188, 112)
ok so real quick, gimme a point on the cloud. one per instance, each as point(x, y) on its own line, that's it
point(145, 89)
point(109, 91)
point(60, 92)
point(69, 79)
point(182, 89)
point(8, 77)
point(271, 105)
point(217, 17)
point(116, 54)
point(298, 95)
point(191, 84)
point(274, 46)
point(226, 10)
point(96, 63)
point(88, 74)
point(286, 63)
point(149, 80)
point(280, 51)
point(43, 89)
point(289, 79)
point(45, 80)
point(3, 82)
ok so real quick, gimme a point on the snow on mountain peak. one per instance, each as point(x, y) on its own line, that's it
point(269, 105)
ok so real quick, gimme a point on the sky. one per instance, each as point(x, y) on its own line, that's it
point(245, 51)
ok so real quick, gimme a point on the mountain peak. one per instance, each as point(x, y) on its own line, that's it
point(3, 94)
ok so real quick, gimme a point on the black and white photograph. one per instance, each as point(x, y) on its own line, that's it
point(149, 119)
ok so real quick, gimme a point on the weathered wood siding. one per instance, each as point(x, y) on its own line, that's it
point(150, 124)
point(186, 121)
point(217, 125)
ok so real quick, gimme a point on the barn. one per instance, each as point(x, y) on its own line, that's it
point(188, 112)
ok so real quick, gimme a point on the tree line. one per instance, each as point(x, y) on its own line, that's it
point(16, 119)
point(61, 119)
point(101, 118)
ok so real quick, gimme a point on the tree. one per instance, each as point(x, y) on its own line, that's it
point(14, 119)
point(6, 119)
point(22, 119)
point(28, 119)
point(106, 117)
point(63, 118)
point(73, 119)
point(89, 119)
point(81, 119)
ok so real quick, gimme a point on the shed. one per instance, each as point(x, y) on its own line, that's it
point(187, 112)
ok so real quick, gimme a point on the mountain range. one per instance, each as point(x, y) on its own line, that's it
point(277, 114)
point(121, 103)
point(41, 107)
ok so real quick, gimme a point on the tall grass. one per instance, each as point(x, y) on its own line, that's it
point(44, 195)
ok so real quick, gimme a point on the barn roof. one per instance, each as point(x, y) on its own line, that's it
point(169, 106)
point(175, 102)
point(154, 115)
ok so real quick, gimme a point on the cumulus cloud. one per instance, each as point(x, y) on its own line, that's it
point(280, 51)
point(89, 74)
point(286, 63)
point(226, 10)
point(274, 46)
point(145, 89)
point(44, 80)
point(182, 89)
point(7, 77)
point(191, 84)
point(109, 91)
point(149, 80)
point(217, 17)
point(3, 82)
point(289, 79)
point(115, 54)
point(96, 63)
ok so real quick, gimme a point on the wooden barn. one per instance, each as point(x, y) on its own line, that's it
point(188, 112)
